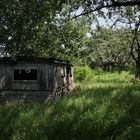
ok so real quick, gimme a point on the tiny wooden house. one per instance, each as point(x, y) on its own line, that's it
point(34, 78)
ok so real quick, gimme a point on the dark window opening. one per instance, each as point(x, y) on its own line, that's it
point(68, 71)
point(25, 74)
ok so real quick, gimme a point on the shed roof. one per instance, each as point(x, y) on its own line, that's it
point(34, 60)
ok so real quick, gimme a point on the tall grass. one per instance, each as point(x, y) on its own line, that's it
point(105, 107)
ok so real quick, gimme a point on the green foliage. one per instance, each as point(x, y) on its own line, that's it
point(97, 71)
point(48, 29)
point(39, 28)
point(20, 23)
point(109, 46)
point(121, 7)
point(82, 73)
point(64, 39)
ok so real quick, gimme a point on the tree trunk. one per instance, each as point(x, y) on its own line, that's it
point(137, 75)
point(112, 67)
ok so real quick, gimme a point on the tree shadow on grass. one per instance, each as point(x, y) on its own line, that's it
point(93, 114)
point(8, 116)
point(98, 113)
point(20, 121)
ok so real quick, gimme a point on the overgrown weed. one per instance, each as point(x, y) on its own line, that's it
point(103, 108)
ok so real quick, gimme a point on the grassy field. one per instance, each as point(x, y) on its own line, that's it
point(105, 107)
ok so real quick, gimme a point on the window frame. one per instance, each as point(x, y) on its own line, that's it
point(22, 68)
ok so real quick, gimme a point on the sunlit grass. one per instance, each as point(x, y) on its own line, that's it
point(105, 107)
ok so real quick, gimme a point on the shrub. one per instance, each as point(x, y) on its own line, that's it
point(82, 73)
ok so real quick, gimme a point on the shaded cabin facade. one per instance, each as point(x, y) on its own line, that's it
point(34, 78)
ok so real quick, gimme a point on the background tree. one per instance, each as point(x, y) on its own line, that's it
point(132, 21)
point(40, 28)
point(135, 48)
point(91, 6)
point(63, 40)
point(109, 48)
point(22, 20)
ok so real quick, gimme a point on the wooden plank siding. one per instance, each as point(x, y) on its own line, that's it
point(51, 76)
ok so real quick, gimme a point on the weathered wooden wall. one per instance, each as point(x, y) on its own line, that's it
point(50, 78)
point(44, 77)
point(62, 78)
point(5, 76)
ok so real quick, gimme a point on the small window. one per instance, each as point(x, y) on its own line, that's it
point(25, 74)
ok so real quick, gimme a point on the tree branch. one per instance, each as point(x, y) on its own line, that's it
point(114, 4)
point(132, 47)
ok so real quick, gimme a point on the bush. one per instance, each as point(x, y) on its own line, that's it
point(82, 73)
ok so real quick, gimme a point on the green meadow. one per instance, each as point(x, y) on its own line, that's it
point(105, 106)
